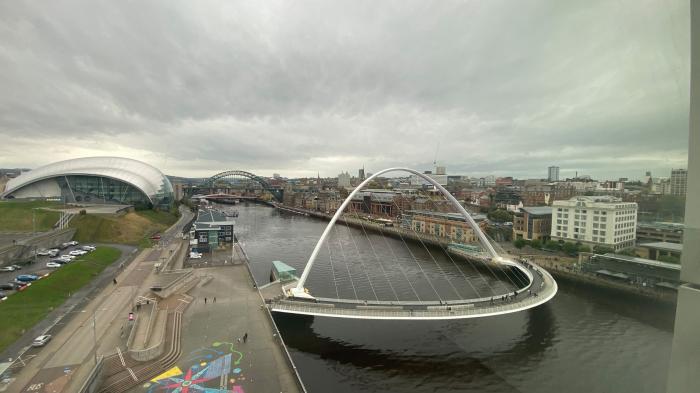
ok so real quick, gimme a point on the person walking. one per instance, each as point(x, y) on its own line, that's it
point(214, 300)
point(205, 300)
point(245, 337)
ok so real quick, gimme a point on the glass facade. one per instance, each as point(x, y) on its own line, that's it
point(95, 189)
point(96, 180)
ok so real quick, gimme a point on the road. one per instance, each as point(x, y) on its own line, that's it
point(63, 363)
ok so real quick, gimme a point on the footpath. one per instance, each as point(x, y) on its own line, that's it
point(89, 325)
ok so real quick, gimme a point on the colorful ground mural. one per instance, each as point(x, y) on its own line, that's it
point(213, 369)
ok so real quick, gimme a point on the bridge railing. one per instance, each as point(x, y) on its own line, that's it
point(379, 311)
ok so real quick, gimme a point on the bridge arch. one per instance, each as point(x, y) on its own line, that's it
point(299, 289)
point(276, 192)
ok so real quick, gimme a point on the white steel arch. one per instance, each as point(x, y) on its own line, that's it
point(299, 289)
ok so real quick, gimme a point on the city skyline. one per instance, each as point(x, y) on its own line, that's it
point(324, 87)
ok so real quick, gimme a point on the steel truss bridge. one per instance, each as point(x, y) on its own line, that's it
point(227, 175)
point(294, 298)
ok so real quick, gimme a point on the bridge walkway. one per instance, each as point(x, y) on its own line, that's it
point(542, 288)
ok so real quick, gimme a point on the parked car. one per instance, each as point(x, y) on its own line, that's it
point(10, 286)
point(7, 269)
point(17, 267)
point(67, 257)
point(61, 261)
point(155, 237)
point(41, 340)
point(73, 243)
point(42, 252)
point(54, 252)
point(89, 248)
point(53, 264)
point(63, 246)
point(77, 253)
point(26, 278)
point(195, 255)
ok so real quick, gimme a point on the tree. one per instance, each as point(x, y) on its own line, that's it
point(584, 248)
point(552, 245)
point(570, 248)
point(500, 215)
point(520, 243)
point(603, 249)
point(536, 244)
point(627, 251)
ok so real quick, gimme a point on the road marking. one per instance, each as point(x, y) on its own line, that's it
point(132, 374)
point(121, 357)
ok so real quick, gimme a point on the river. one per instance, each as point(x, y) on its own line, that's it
point(584, 340)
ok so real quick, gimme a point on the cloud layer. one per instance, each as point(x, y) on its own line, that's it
point(315, 86)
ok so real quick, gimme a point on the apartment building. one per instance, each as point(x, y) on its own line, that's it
point(595, 220)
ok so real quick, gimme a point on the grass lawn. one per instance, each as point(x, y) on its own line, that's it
point(24, 309)
point(132, 228)
point(17, 215)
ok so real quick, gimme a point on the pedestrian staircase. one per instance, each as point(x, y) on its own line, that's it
point(122, 374)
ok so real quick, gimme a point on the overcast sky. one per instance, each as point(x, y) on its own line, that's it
point(300, 87)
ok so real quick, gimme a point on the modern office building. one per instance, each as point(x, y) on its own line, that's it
point(211, 231)
point(639, 271)
point(679, 182)
point(95, 180)
point(553, 173)
point(595, 220)
point(532, 223)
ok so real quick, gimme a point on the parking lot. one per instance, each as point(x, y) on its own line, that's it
point(36, 267)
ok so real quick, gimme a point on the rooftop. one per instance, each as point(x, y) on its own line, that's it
point(537, 210)
point(643, 261)
point(450, 216)
point(664, 246)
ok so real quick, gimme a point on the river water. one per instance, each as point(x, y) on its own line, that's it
point(584, 340)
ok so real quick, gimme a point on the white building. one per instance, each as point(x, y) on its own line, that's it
point(553, 173)
point(416, 180)
point(595, 220)
point(344, 180)
point(679, 182)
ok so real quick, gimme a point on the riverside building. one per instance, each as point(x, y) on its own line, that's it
point(595, 220)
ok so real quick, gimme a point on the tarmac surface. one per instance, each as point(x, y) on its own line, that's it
point(225, 308)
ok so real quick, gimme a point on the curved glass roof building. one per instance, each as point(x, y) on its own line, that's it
point(98, 180)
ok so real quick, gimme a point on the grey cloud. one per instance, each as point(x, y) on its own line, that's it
point(301, 87)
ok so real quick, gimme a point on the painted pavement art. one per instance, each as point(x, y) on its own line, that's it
point(213, 369)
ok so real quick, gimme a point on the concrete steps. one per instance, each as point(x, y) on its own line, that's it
point(133, 375)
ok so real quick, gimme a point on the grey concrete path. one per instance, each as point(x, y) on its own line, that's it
point(212, 330)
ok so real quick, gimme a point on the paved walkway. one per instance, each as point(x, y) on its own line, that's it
point(211, 333)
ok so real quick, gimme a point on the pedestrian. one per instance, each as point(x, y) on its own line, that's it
point(238, 340)
point(245, 337)
point(114, 281)
point(214, 300)
point(205, 300)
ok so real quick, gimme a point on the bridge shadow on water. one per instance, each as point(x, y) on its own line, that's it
point(461, 354)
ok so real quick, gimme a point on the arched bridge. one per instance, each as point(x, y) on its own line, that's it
point(538, 287)
point(275, 191)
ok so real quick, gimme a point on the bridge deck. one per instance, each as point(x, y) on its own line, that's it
point(542, 288)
